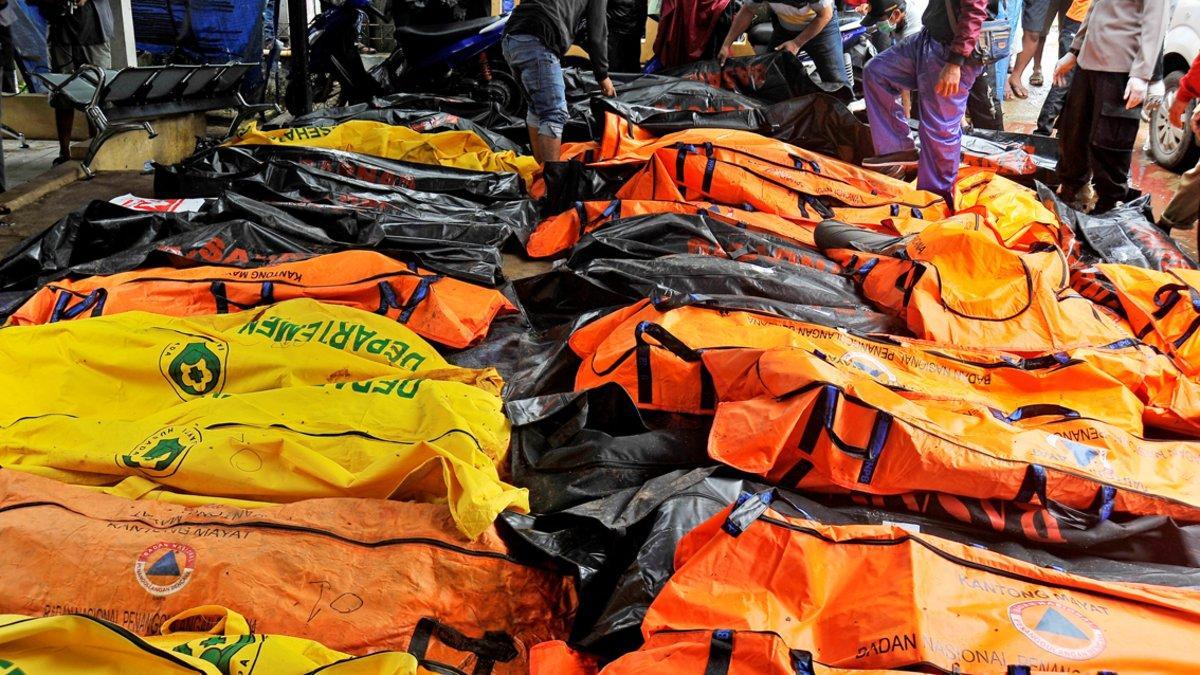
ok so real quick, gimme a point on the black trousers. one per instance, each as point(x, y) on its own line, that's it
point(1096, 135)
point(1053, 105)
point(626, 25)
point(984, 106)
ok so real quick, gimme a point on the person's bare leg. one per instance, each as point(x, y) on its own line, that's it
point(1029, 43)
point(64, 120)
point(535, 143)
point(1037, 62)
point(551, 149)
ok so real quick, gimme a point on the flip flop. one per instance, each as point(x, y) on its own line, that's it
point(1036, 79)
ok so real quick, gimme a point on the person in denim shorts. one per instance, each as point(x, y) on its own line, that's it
point(538, 34)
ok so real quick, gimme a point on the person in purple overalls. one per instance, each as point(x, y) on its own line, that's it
point(935, 63)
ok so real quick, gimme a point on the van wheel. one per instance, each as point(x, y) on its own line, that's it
point(1171, 147)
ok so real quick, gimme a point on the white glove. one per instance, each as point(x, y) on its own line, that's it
point(1154, 95)
point(1135, 92)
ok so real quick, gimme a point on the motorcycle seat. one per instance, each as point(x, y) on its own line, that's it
point(444, 31)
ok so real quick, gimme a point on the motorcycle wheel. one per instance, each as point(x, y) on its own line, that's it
point(326, 92)
point(504, 92)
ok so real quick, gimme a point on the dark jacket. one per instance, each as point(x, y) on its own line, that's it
point(51, 10)
point(554, 23)
point(961, 37)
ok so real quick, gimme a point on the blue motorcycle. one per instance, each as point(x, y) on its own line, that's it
point(461, 58)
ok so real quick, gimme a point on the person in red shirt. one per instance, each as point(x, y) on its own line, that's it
point(1184, 208)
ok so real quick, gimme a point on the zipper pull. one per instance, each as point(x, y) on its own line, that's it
point(746, 510)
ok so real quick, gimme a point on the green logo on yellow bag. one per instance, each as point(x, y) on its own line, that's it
point(220, 651)
point(195, 368)
point(161, 454)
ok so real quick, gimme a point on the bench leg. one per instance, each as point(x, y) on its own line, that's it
point(8, 131)
point(247, 110)
point(108, 132)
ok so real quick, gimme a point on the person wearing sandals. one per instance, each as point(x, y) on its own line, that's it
point(79, 33)
point(1036, 19)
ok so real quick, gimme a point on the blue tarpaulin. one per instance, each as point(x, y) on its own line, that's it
point(200, 31)
point(206, 31)
point(29, 43)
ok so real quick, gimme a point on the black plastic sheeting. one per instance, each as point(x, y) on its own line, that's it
point(621, 546)
point(574, 447)
point(773, 77)
point(486, 114)
point(660, 234)
point(772, 95)
point(1041, 153)
point(424, 121)
point(1124, 235)
point(817, 122)
point(765, 285)
point(210, 173)
point(570, 182)
point(104, 238)
point(312, 190)
point(666, 93)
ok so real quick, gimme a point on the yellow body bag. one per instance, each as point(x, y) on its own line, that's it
point(128, 366)
point(461, 149)
point(417, 440)
point(64, 645)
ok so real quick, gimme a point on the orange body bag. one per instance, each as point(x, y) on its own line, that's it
point(961, 287)
point(655, 354)
point(358, 575)
point(559, 233)
point(800, 422)
point(1163, 309)
point(442, 309)
point(870, 596)
point(721, 652)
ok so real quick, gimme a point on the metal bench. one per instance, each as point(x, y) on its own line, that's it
point(116, 101)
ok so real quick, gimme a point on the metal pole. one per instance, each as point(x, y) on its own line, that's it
point(298, 28)
point(124, 45)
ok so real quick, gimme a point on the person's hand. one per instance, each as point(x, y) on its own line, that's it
point(606, 88)
point(1175, 112)
point(1135, 92)
point(1154, 95)
point(1062, 69)
point(948, 81)
point(723, 54)
point(790, 46)
point(863, 8)
point(1196, 122)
